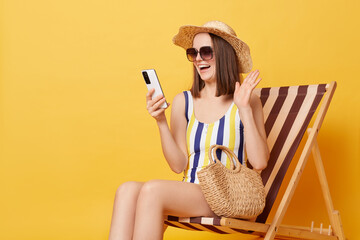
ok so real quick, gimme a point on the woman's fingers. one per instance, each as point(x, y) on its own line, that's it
point(151, 101)
point(243, 91)
point(149, 94)
point(157, 98)
point(159, 103)
point(253, 85)
point(157, 112)
point(256, 75)
point(154, 105)
point(257, 82)
point(253, 75)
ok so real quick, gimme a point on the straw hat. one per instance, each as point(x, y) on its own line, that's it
point(186, 35)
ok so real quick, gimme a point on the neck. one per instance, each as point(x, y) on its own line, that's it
point(209, 90)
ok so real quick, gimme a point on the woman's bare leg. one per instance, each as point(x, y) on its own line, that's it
point(123, 218)
point(160, 197)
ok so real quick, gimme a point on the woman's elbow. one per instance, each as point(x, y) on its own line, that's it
point(261, 165)
point(177, 170)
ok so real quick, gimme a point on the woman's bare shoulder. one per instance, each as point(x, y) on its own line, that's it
point(179, 100)
point(178, 110)
point(178, 105)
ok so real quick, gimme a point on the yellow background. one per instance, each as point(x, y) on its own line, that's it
point(73, 123)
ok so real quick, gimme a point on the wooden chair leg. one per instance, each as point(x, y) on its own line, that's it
point(334, 216)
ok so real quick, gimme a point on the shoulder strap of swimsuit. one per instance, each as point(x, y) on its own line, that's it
point(188, 105)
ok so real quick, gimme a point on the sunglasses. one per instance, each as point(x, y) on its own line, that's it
point(206, 53)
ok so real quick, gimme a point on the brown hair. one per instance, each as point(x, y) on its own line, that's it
point(227, 73)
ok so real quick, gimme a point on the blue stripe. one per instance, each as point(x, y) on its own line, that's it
point(220, 136)
point(186, 105)
point(197, 151)
point(241, 144)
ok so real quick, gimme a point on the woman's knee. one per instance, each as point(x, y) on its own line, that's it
point(128, 189)
point(151, 192)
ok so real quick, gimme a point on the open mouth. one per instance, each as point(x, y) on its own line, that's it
point(204, 67)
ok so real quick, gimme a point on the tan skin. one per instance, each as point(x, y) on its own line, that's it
point(139, 208)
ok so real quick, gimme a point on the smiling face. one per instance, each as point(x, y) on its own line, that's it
point(205, 68)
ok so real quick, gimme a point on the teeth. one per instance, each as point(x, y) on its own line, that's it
point(203, 66)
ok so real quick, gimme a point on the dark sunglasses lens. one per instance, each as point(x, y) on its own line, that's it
point(191, 54)
point(206, 53)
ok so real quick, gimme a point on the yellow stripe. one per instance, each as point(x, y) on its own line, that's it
point(232, 132)
point(186, 172)
point(232, 128)
point(207, 144)
point(189, 129)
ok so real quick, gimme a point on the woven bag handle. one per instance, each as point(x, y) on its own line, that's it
point(230, 154)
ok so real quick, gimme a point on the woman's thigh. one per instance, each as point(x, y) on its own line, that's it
point(178, 198)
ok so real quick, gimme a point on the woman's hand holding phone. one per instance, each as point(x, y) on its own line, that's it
point(155, 99)
point(154, 105)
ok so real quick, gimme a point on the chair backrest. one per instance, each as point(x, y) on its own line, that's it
point(287, 114)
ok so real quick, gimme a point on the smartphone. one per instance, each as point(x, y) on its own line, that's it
point(152, 81)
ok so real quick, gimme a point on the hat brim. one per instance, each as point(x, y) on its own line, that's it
point(187, 33)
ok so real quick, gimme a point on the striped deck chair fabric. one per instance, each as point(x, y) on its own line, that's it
point(287, 114)
point(288, 111)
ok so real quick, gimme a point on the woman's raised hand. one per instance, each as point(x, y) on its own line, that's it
point(243, 92)
point(153, 105)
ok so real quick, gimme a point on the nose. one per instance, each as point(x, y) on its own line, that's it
point(198, 57)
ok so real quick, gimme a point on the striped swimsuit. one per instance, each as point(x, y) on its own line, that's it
point(227, 131)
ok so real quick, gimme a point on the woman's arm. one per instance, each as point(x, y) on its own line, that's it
point(251, 115)
point(255, 137)
point(173, 141)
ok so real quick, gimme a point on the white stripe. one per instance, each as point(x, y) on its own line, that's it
point(190, 105)
point(237, 135)
point(214, 135)
point(226, 136)
point(192, 136)
point(207, 221)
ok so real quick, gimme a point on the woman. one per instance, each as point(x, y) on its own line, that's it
point(208, 114)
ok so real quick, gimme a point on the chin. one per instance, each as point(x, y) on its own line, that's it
point(207, 77)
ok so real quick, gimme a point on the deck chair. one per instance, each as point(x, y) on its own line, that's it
point(287, 114)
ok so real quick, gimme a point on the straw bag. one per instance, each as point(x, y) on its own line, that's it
point(237, 193)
